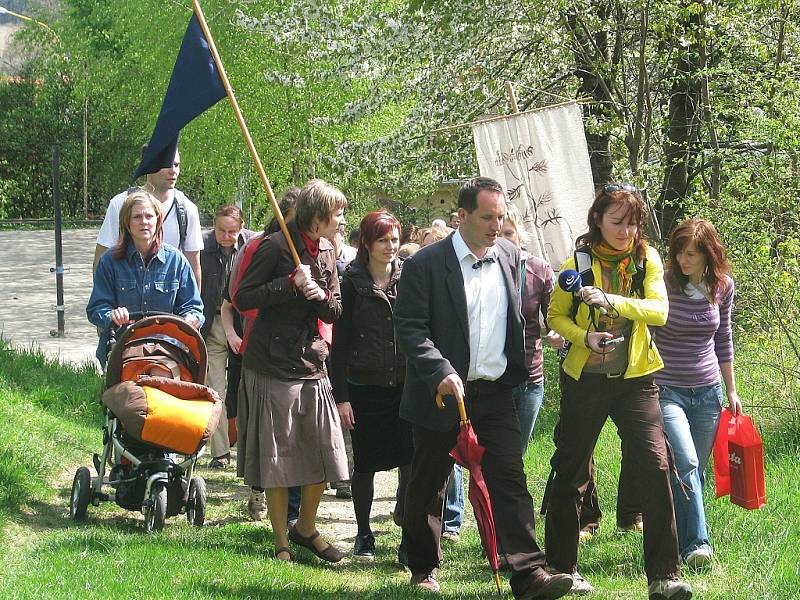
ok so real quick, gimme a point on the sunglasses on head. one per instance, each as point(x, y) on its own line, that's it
point(610, 188)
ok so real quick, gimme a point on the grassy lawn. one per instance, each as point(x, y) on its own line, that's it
point(49, 424)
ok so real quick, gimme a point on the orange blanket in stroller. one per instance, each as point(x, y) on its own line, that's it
point(177, 415)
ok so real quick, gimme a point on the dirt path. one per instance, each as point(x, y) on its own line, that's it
point(227, 503)
point(336, 520)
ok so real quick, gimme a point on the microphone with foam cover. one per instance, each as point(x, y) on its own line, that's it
point(570, 281)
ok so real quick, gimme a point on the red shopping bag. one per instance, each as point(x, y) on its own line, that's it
point(739, 461)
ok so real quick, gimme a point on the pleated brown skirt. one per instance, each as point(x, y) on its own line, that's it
point(289, 432)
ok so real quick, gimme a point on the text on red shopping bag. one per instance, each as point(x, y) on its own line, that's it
point(739, 461)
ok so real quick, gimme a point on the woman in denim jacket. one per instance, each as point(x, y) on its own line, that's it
point(141, 274)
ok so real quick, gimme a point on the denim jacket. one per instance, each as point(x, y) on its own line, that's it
point(167, 284)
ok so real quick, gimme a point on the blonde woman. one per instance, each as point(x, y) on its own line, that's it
point(141, 274)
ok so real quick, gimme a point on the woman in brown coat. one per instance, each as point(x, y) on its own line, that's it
point(289, 431)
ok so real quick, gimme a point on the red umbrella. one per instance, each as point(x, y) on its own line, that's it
point(469, 453)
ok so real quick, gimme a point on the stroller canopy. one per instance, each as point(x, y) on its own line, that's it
point(166, 340)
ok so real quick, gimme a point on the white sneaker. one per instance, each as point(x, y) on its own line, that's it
point(698, 558)
point(257, 505)
point(669, 589)
point(580, 586)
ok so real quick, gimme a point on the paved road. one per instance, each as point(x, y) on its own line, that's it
point(28, 292)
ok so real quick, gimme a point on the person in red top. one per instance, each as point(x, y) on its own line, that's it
point(289, 428)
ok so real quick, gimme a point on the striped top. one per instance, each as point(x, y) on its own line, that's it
point(696, 338)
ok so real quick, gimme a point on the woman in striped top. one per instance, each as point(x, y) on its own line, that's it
point(696, 344)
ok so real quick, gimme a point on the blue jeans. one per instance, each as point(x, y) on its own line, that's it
point(691, 416)
point(294, 504)
point(453, 516)
point(528, 399)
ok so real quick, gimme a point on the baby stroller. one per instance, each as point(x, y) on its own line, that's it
point(156, 407)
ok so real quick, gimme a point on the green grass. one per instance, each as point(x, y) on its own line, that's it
point(48, 417)
point(49, 423)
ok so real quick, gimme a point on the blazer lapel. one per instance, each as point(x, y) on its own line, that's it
point(455, 285)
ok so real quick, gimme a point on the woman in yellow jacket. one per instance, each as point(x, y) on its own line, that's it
point(601, 379)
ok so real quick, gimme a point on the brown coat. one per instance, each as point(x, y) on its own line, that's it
point(285, 341)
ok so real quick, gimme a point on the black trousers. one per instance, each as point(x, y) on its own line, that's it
point(491, 411)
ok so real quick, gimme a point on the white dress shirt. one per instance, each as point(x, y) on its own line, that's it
point(487, 312)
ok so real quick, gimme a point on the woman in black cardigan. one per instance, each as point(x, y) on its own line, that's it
point(367, 371)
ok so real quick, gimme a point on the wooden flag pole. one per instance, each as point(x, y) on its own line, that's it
point(512, 97)
point(245, 131)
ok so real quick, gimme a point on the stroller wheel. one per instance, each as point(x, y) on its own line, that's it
point(156, 508)
point(196, 502)
point(81, 494)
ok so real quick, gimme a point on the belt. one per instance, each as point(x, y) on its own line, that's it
point(477, 384)
point(604, 375)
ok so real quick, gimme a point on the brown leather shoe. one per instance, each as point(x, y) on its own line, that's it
point(425, 580)
point(546, 587)
point(329, 554)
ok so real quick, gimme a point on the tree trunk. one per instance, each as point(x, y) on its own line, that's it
point(591, 50)
point(685, 111)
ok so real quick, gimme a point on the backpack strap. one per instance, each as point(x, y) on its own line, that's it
point(183, 220)
point(637, 284)
point(583, 265)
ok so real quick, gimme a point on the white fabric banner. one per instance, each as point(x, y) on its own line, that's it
point(542, 161)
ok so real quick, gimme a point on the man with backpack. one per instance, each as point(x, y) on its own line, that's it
point(181, 218)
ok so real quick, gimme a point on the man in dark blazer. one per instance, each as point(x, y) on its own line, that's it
point(459, 322)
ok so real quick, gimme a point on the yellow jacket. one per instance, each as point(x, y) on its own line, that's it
point(643, 357)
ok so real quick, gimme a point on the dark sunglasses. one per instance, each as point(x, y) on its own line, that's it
point(610, 188)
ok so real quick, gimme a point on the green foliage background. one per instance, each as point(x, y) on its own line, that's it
point(698, 103)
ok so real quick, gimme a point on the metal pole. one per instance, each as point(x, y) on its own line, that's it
point(59, 269)
point(86, 157)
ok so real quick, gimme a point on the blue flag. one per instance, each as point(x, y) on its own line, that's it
point(195, 86)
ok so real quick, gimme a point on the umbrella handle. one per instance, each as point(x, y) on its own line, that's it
point(462, 412)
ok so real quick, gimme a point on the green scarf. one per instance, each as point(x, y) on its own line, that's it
point(619, 263)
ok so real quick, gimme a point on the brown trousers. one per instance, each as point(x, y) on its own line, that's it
point(633, 406)
point(491, 411)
